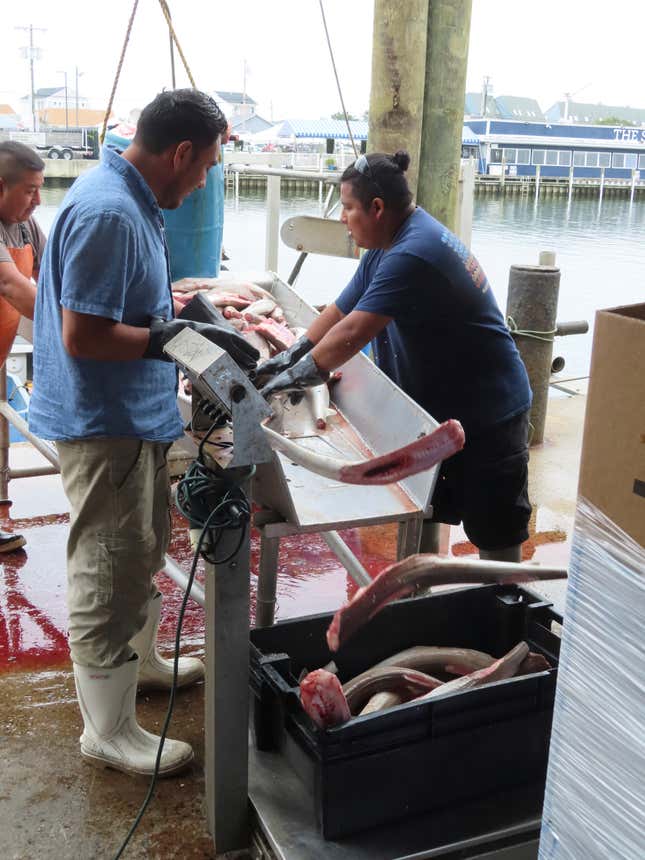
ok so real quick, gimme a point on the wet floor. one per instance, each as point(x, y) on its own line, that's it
point(50, 801)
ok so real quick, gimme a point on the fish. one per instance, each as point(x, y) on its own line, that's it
point(257, 341)
point(395, 679)
point(278, 335)
point(262, 307)
point(404, 578)
point(379, 702)
point(503, 668)
point(322, 699)
point(425, 452)
point(303, 415)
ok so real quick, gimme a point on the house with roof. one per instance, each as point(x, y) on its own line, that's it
point(235, 104)
point(568, 111)
point(520, 108)
point(9, 119)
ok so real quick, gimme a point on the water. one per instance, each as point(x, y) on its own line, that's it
point(600, 251)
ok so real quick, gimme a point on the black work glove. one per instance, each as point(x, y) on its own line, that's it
point(283, 360)
point(303, 374)
point(240, 350)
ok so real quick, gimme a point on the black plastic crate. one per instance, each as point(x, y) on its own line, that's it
point(418, 757)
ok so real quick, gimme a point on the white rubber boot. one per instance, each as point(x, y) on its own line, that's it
point(155, 672)
point(112, 737)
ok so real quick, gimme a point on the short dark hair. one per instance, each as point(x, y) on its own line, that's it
point(381, 176)
point(15, 158)
point(177, 115)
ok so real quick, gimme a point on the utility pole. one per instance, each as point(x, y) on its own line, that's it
point(78, 75)
point(443, 108)
point(32, 53)
point(485, 91)
point(66, 102)
point(398, 80)
point(417, 97)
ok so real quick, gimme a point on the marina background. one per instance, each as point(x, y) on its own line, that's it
point(599, 249)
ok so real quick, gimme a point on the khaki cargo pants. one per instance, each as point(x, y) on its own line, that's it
point(118, 490)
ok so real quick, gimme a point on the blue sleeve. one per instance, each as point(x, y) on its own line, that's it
point(97, 261)
point(347, 300)
point(394, 289)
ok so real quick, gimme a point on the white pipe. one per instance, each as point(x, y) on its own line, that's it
point(346, 557)
point(179, 576)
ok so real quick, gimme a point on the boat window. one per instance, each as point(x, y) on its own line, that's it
point(604, 159)
point(510, 156)
point(495, 156)
point(579, 159)
point(641, 162)
point(523, 156)
point(564, 158)
point(552, 156)
point(538, 156)
point(592, 159)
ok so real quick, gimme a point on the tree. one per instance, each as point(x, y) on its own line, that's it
point(615, 120)
point(340, 115)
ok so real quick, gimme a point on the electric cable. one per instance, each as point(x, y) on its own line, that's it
point(238, 518)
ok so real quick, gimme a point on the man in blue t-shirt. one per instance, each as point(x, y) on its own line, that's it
point(106, 393)
point(422, 299)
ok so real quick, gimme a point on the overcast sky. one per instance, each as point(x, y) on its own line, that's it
point(531, 49)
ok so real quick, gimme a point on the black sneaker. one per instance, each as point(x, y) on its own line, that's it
point(10, 542)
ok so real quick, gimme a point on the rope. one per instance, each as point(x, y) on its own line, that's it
point(166, 12)
point(340, 92)
point(118, 71)
point(546, 336)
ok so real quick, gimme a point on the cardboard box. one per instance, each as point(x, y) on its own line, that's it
point(612, 468)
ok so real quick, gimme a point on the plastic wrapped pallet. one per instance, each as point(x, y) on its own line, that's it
point(594, 805)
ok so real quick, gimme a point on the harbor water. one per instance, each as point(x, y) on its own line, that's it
point(599, 249)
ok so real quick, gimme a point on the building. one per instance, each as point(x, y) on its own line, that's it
point(558, 149)
point(568, 111)
point(484, 104)
point(50, 118)
point(241, 125)
point(9, 119)
point(235, 105)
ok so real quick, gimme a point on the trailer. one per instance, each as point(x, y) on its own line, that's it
point(58, 143)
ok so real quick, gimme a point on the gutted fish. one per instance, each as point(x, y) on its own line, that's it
point(393, 679)
point(406, 577)
point(323, 699)
point(389, 468)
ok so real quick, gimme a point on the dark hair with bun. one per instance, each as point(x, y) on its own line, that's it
point(380, 175)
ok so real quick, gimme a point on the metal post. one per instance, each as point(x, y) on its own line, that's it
point(533, 306)
point(267, 580)
point(537, 182)
point(631, 196)
point(4, 440)
point(227, 695)
point(570, 182)
point(272, 224)
point(346, 557)
point(502, 178)
point(448, 31)
point(398, 79)
point(602, 184)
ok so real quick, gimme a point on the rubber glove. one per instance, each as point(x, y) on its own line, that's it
point(303, 374)
point(284, 360)
point(162, 331)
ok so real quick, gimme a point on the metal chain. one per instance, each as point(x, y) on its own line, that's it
point(118, 71)
point(166, 12)
point(546, 336)
point(340, 92)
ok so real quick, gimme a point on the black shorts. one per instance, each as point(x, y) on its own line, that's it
point(485, 486)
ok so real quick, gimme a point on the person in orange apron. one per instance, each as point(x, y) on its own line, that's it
point(21, 246)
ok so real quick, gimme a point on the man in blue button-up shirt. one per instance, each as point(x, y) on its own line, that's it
point(105, 392)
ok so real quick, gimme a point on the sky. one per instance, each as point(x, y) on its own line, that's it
point(540, 50)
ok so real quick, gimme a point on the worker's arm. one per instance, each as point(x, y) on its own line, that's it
point(324, 322)
point(340, 343)
point(346, 338)
point(19, 291)
point(88, 336)
point(103, 339)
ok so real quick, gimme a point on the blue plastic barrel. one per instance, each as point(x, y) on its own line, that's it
point(195, 230)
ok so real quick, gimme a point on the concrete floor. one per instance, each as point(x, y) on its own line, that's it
point(51, 802)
